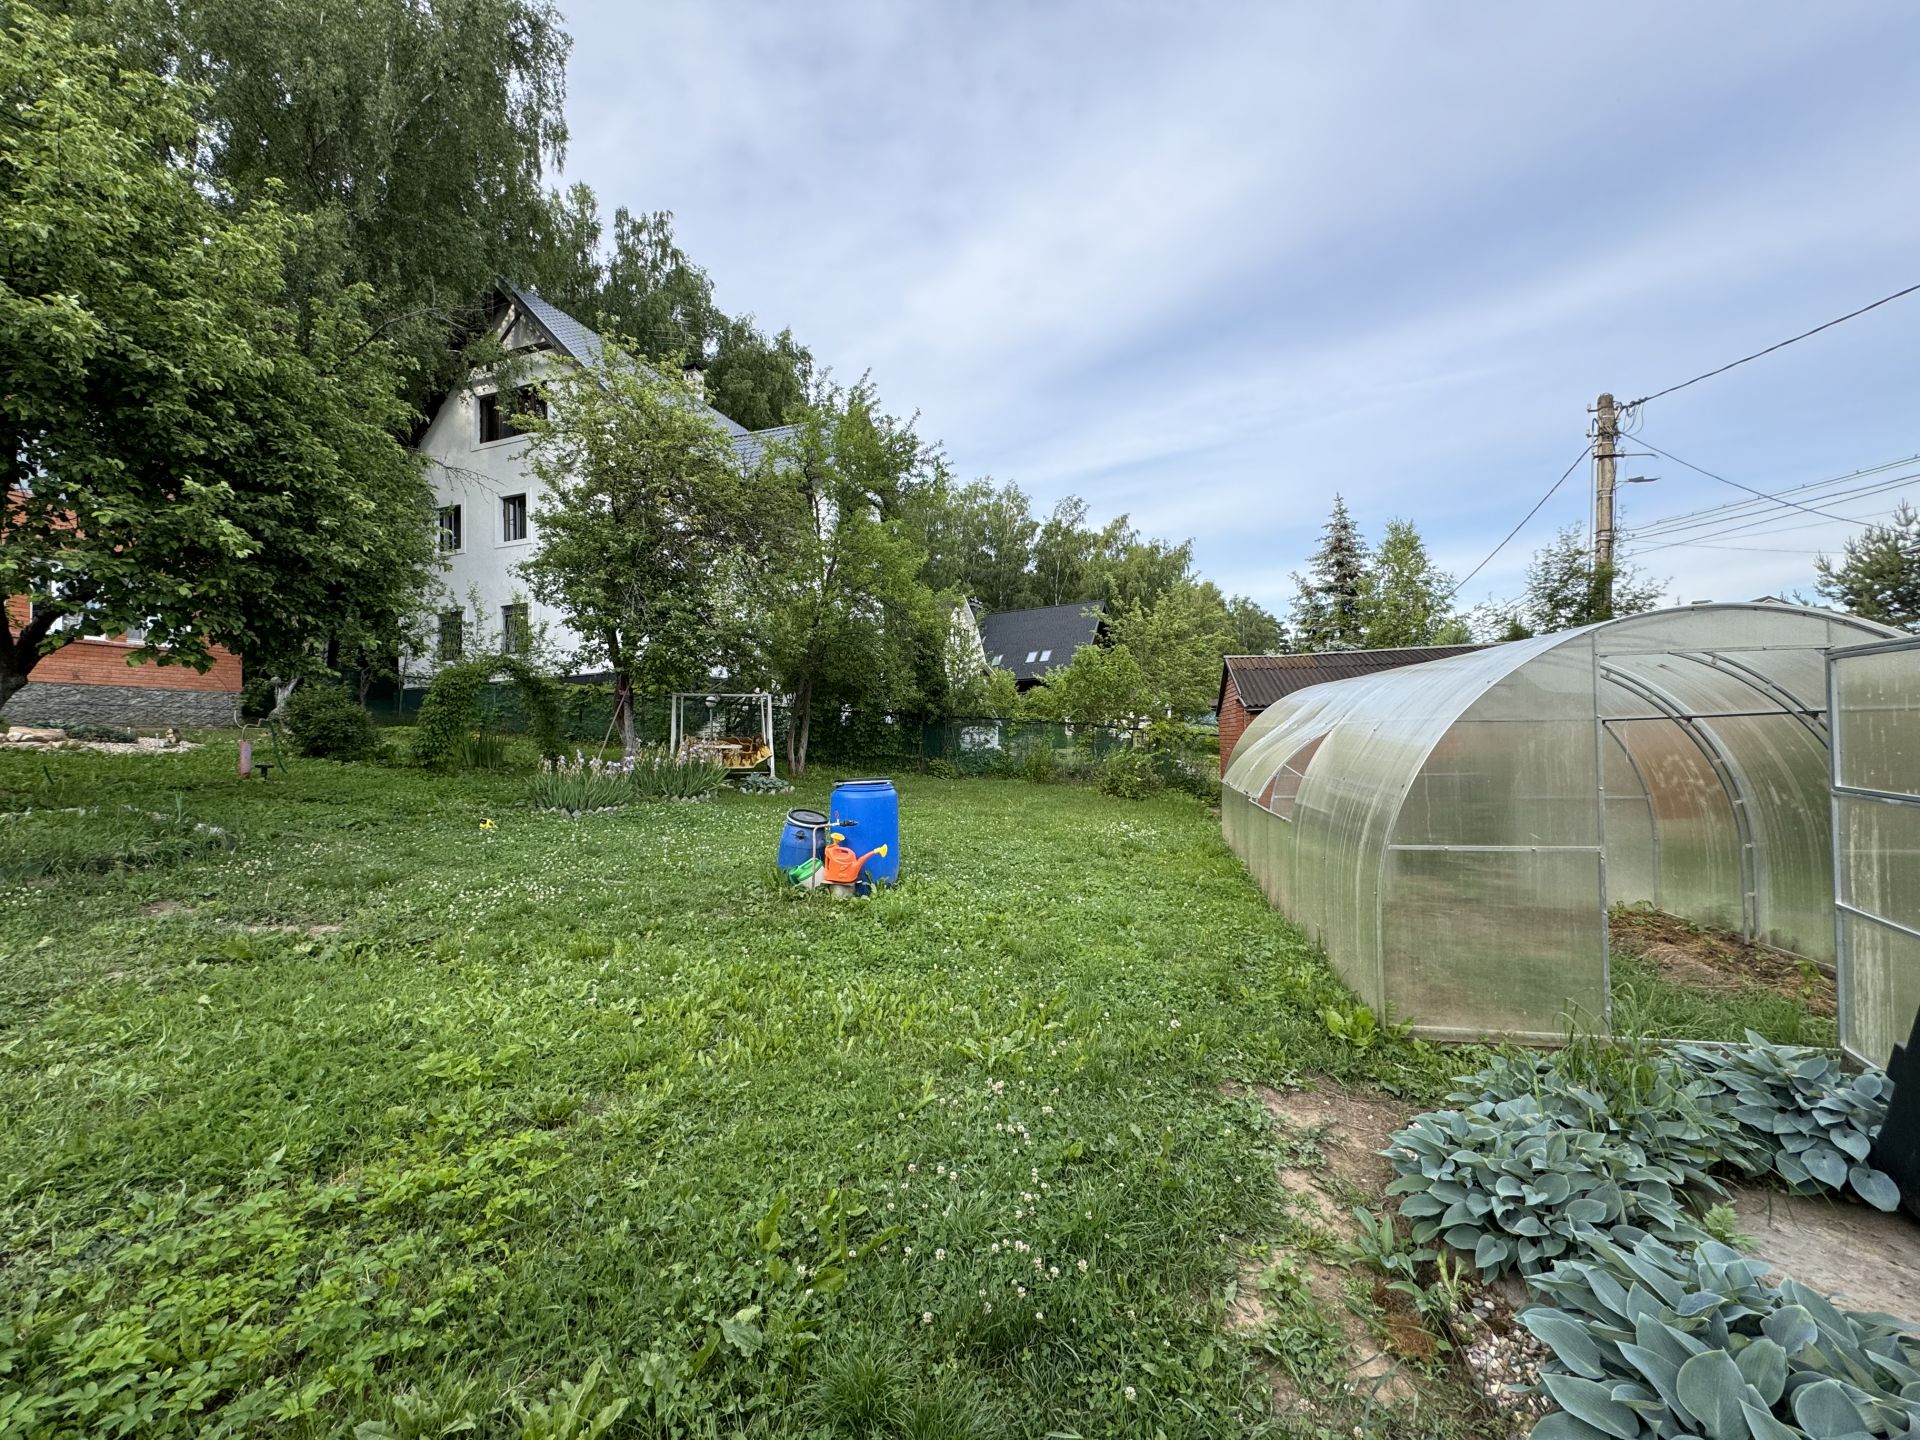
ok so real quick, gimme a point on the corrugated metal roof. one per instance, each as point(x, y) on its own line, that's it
point(1259, 680)
point(1050, 634)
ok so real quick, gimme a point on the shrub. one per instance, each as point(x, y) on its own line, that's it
point(943, 769)
point(1130, 775)
point(450, 711)
point(1512, 1186)
point(658, 774)
point(88, 730)
point(256, 698)
point(1802, 1115)
point(328, 723)
point(1652, 1342)
point(580, 785)
point(1040, 766)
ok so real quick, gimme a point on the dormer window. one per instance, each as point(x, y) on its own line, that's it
point(497, 412)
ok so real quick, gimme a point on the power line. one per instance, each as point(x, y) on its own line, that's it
point(1779, 345)
point(1642, 440)
point(1585, 450)
point(1753, 510)
point(1770, 524)
point(1713, 514)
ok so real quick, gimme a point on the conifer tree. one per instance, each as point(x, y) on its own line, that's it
point(1328, 609)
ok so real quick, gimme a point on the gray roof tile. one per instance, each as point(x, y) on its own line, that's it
point(1054, 631)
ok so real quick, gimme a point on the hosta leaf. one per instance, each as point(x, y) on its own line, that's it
point(1827, 1165)
point(1852, 1141)
point(1823, 1408)
point(1559, 1425)
point(1587, 1209)
point(1662, 1373)
point(1765, 1427)
point(1420, 1207)
point(1764, 1364)
point(1791, 1328)
point(1591, 1402)
point(1875, 1187)
point(1491, 1252)
point(1567, 1338)
point(1712, 1389)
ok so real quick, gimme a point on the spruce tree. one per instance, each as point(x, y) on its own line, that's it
point(1329, 611)
point(1878, 576)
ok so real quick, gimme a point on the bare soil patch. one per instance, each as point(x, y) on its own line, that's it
point(1715, 960)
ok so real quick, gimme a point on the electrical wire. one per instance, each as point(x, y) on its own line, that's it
point(1770, 525)
point(1713, 514)
point(1754, 511)
point(1642, 440)
point(1778, 345)
point(1585, 450)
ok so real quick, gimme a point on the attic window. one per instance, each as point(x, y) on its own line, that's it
point(1032, 655)
point(998, 658)
point(496, 420)
point(1045, 655)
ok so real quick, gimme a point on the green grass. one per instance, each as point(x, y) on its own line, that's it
point(388, 1120)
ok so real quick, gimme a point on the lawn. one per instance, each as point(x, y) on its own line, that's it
point(386, 1122)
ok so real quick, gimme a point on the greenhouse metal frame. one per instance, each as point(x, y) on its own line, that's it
point(1874, 701)
point(1453, 833)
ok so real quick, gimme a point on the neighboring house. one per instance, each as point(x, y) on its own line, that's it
point(1032, 642)
point(1250, 683)
point(91, 680)
point(488, 498)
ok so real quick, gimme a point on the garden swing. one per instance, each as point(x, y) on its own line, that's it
point(732, 730)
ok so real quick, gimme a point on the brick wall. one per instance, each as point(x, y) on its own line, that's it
point(92, 680)
point(1234, 720)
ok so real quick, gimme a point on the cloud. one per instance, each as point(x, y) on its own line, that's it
point(1208, 264)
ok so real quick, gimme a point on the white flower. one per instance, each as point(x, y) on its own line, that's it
point(1039, 1314)
point(1046, 1109)
point(1128, 1392)
point(939, 1254)
point(1173, 1024)
point(1083, 1267)
point(926, 1317)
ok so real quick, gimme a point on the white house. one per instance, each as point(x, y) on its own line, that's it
point(488, 498)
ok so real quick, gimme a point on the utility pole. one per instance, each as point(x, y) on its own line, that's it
point(1606, 450)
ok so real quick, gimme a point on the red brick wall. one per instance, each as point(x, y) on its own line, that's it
point(1234, 720)
point(104, 662)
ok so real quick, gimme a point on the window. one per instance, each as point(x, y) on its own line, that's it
point(450, 530)
point(1282, 792)
point(451, 625)
point(1045, 655)
point(1032, 655)
point(998, 658)
point(496, 417)
point(513, 518)
point(516, 631)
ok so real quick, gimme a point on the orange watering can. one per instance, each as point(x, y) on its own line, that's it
point(843, 867)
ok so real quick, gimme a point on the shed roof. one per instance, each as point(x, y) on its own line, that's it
point(1259, 680)
point(1049, 635)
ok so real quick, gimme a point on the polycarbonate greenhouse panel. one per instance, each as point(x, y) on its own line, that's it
point(1496, 943)
point(1632, 849)
point(1879, 857)
point(1876, 724)
point(1781, 766)
point(1882, 985)
point(1699, 857)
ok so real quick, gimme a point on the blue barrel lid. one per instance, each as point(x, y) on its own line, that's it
point(846, 784)
point(808, 819)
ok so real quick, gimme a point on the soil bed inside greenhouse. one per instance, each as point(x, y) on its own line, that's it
point(1717, 961)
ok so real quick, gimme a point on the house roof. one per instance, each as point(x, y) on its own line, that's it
point(1260, 680)
point(1049, 635)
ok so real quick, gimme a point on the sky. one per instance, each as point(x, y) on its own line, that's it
point(1208, 264)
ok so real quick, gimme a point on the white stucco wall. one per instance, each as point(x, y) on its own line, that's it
point(477, 477)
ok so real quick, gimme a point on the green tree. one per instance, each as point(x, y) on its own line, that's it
point(415, 136)
point(1327, 608)
point(1100, 685)
point(1178, 644)
point(978, 538)
point(1256, 630)
point(1130, 571)
point(756, 381)
point(1878, 574)
point(1405, 599)
point(846, 613)
point(1565, 589)
point(186, 451)
point(645, 525)
point(1064, 552)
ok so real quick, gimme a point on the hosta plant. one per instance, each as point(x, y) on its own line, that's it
point(1804, 1116)
point(1513, 1186)
point(1652, 1342)
point(1648, 1099)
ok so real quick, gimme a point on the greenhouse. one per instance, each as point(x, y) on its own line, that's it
point(1454, 833)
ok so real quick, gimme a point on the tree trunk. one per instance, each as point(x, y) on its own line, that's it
point(623, 709)
point(797, 757)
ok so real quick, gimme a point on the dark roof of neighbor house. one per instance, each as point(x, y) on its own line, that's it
point(1032, 642)
point(1259, 680)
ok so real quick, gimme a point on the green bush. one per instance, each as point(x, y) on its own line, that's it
point(88, 730)
point(328, 723)
point(658, 774)
point(256, 699)
point(1651, 1342)
point(449, 714)
point(943, 769)
point(1130, 775)
point(1040, 766)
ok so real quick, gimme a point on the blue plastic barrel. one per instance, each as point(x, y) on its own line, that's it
point(803, 837)
point(867, 812)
